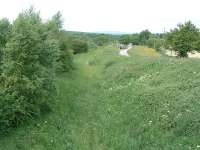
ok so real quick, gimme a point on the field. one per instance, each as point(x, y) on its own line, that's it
point(109, 102)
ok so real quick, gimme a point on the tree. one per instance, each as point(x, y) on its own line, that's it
point(4, 31)
point(134, 39)
point(56, 32)
point(144, 36)
point(79, 46)
point(27, 80)
point(4, 34)
point(125, 39)
point(102, 39)
point(183, 38)
point(155, 42)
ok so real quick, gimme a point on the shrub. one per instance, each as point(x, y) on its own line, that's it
point(27, 80)
point(64, 60)
point(79, 46)
point(155, 43)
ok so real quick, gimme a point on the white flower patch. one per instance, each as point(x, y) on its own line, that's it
point(144, 77)
point(119, 87)
point(150, 122)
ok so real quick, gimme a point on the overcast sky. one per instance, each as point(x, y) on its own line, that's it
point(111, 15)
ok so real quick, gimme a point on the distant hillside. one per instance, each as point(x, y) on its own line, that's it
point(103, 32)
point(113, 32)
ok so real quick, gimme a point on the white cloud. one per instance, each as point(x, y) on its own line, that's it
point(111, 15)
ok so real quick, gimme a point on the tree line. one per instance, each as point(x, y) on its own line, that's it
point(144, 38)
point(182, 39)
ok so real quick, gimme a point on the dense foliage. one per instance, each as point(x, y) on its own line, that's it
point(32, 52)
point(102, 39)
point(56, 32)
point(4, 34)
point(31, 57)
point(184, 38)
point(92, 39)
point(79, 46)
point(155, 42)
point(125, 39)
point(144, 36)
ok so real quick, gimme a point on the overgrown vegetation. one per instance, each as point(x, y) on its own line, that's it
point(146, 101)
point(4, 34)
point(100, 100)
point(31, 55)
point(79, 46)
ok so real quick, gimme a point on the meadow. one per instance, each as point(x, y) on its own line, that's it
point(147, 101)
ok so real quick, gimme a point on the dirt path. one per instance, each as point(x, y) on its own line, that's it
point(124, 52)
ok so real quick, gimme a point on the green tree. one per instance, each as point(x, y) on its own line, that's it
point(183, 38)
point(56, 32)
point(27, 80)
point(144, 36)
point(101, 39)
point(4, 31)
point(79, 46)
point(4, 34)
point(134, 39)
point(125, 39)
point(155, 42)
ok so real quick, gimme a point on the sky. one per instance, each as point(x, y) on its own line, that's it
point(111, 15)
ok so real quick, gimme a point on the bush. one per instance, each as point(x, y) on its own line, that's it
point(54, 28)
point(27, 80)
point(79, 46)
point(155, 43)
point(184, 38)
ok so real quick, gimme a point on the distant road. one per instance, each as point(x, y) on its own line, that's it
point(124, 52)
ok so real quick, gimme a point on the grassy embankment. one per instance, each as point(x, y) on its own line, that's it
point(110, 102)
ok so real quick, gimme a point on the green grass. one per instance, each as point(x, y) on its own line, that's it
point(110, 102)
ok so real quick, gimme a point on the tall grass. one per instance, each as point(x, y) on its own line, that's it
point(111, 102)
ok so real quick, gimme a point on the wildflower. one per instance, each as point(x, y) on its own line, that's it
point(188, 110)
point(150, 122)
point(164, 116)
